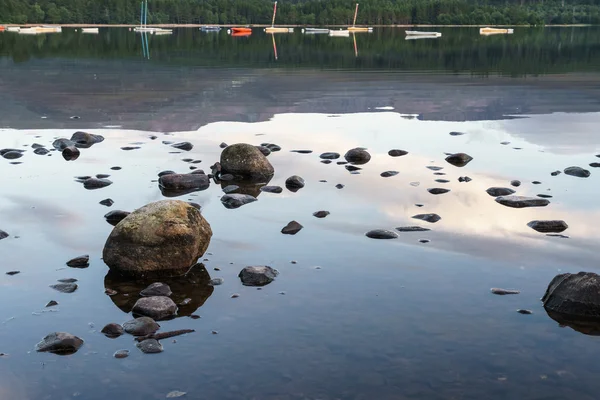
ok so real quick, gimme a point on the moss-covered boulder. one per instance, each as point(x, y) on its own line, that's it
point(164, 238)
point(246, 161)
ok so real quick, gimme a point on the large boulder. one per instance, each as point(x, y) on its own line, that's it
point(247, 161)
point(164, 238)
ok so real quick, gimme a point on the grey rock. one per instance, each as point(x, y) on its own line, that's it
point(555, 173)
point(595, 165)
point(271, 189)
point(524, 312)
point(67, 280)
point(574, 295)
point(95, 183)
point(167, 172)
point(412, 229)
point(321, 214)
point(271, 146)
point(236, 200)
point(330, 156)
point(265, 150)
point(437, 191)
point(357, 156)
point(326, 161)
point(59, 343)
point(150, 346)
point(11, 273)
point(141, 326)
point(431, 218)
point(155, 307)
point(247, 161)
point(464, 179)
point(457, 133)
point(230, 188)
point(577, 172)
point(41, 151)
point(499, 191)
point(216, 281)
point(291, 228)
point(112, 330)
point(502, 292)
point(381, 234)
point(294, 183)
point(12, 155)
point(61, 144)
point(116, 168)
point(352, 168)
point(434, 168)
point(459, 159)
point(116, 216)
point(157, 289)
point(121, 354)
point(442, 181)
point(544, 196)
point(3, 235)
point(257, 275)
point(79, 262)
point(107, 202)
point(397, 153)
point(521, 201)
point(339, 186)
point(388, 174)
point(301, 151)
point(65, 287)
point(86, 140)
point(183, 182)
point(536, 182)
point(186, 146)
point(550, 226)
point(51, 303)
point(515, 183)
point(223, 145)
point(129, 148)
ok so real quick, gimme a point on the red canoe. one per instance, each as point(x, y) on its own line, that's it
point(241, 30)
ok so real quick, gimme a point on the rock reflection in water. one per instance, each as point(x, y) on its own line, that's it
point(194, 285)
point(587, 326)
point(246, 186)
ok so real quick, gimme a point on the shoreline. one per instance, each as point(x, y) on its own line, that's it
point(292, 26)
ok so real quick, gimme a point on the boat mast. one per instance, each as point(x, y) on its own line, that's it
point(146, 15)
point(355, 14)
point(274, 12)
point(142, 14)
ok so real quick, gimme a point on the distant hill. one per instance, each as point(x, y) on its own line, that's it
point(305, 12)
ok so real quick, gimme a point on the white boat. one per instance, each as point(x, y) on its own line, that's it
point(34, 30)
point(89, 30)
point(144, 28)
point(315, 31)
point(207, 28)
point(422, 33)
point(495, 31)
point(161, 31)
point(339, 33)
point(13, 29)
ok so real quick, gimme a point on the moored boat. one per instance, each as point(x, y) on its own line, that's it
point(241, 30)
point(314, 31)
point(357, 29)
point(495, 31)
point(422, 33)
point(13, 28)
point(339, 33)
point(89, 30)
point(40, 29)
point(210, 28)
point(2, 28)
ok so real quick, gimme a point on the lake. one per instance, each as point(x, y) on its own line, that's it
point(348, 317)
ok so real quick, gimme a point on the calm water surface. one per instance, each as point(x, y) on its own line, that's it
point(354, 318)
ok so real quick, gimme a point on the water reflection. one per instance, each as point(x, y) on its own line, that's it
point(190, 291)
point(587, 326)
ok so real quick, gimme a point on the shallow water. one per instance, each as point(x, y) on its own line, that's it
point(354, 318)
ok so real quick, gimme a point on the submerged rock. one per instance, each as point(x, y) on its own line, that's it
point(521, 201)
point(381, 234)
point(459, 159)
point(437, 191)
point(112, 330)
point(524, 312)
point(431, 218)
point(141, 326)
point(294, 183)
point(236, 200)
point(121, 354)
point(397, 153)
point(503, 292)
point(457, 133)
point(357, 156)
point(41, 151)
point(186, 146)
point(79, 262)
point(388, 174)
point(577, 172)
point(51, 303)
point(257, 275)
point(265, 150)
point(330, 156)
point(86, 140)
point(150, 346)
point(95, 183)
point(165, 237)
point(155, 307)
point(64, 287)
point(555, 226)
point(301, 151)
point(61, 144)
point(292, 228)
point(321, 214)
point(247, 161)
point(499, 191)
point(157, 289)
point(116, 216)
point(59, 343)
point(271, 189)
point(412, 229)
point(339, 186)
point(230, 188)
point(555, 173)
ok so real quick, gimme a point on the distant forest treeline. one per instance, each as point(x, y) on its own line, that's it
point(304, 12)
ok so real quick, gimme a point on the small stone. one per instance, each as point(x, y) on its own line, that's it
point(11, 273)
point(230, 188)
point(61, 144)
point(257, 275)
point(339, 186)
point(216, 281)
point(102, 176)
point(294, 183)
point(326, 161)
point(357, 156)
point(271, 146)
point(236, 200)
point(301, 151)
point(194, 316)
point(437, 191)
point(412, 229)
point(457, 133)
point(116, 216)
point(41, 151)
point(442, 181)
point(223, 145)
point(59, 343)
point(441, 174)
point(235, 296)
point(95, 183)
point(464, 179)
point(525, 312)
point(65, 287)
point(156, 289)
point(352, 168)
point(215, 332)
point(577, 172)
point(397, 153)
point(555, 173)
point(330, 156)
point(67, 280)
point(388, 174)
point(434, 168)
point(292, 228)
point(107, 202)
point(595, 165)
point(115, 168)
point(155, 307)
point(431, 218)
point(71, 153)
point(544, 196)
point(51, 303)
point(521, 201)
point(499, 191)
point(271, 189)
point(552, 226)
point(167, 172)
point(459, 159)
point(265, 150)
point(515, 183)
point(321, 214)
point(129, 148)
point(186, 146)
point(79, 262)
point(381, 234)
point(141, 326)
point(503, 292)
point(505, 143)
point(424, 240)
point(112, 330)
point(150, 346)
point(86, 140)
point(121, 354)
point(536, 182)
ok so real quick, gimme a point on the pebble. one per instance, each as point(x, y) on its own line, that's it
point(321, 214)
point(129, 148)
point(150, 346)
point(434, 168)
point(397, 153)
point(388, 174)
point(515, 183)
point(292, 228)
point(216, 281)
point(503, 292)
point(11, 273)
point(465, 179)
point(555, 173)
point(381, 234)
point(95, 183)
point(330, 156)
point(577, 172)
point(79, 262)
point(115, 168)
point(412, 229)
point(65, 287)
point(271, 189)
point(107, 202)
point(186, 146)
point(457, 133)
point(431, 218)
point(301, 151)
point(51, 303)
point(525, 312)
point(121, 354)
point(499, 191)
point(339, 186)
point(437, 191)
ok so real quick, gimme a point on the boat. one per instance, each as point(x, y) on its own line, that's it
point(89, 30)
point(315, 31)
point(13, 29)
point(273, 28)
point(34, 30)
point(339, 33)
point(161, 31)
point(422, 33)
point(208, 28)
point(2, 29)
point(355, 28)
point(144, 22)
point(238, 30)
point(240, 34)
point(495, 31)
